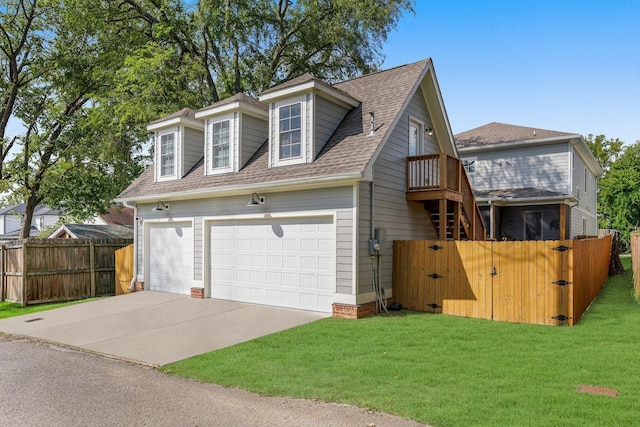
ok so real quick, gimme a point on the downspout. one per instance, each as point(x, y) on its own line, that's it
point(491, 219)
point(132, 284)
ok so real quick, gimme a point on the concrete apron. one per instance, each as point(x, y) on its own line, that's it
point(155, 328)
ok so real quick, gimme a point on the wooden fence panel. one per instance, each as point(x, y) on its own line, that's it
point(124, 269)
point(635, 260)
point(525, 282)
point(591, 269)
point(51, 270)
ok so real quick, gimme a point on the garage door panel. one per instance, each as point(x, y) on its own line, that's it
point(289, 262)
point(171, 257)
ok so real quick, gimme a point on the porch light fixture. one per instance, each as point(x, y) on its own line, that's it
point(428, 131)
point(160, 206)
point(256, 200)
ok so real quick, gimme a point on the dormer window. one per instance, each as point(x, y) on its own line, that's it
point(167, 155)
point(290, 131)
point(221, 140)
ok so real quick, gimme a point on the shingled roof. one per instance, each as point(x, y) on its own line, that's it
point(500, 133)
point(347, 153)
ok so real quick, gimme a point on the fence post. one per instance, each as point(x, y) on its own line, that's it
point(92, 258)
point(3, 284)
point(25, 245)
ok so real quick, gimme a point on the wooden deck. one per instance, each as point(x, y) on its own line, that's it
point(440, 182)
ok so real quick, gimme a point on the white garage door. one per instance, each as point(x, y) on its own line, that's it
point(171, 257)
point(282, 262)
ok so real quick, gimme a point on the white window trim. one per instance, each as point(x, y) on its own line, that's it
point(304, 142)
point(176, 154)
point(234, 144)
point(420, 143)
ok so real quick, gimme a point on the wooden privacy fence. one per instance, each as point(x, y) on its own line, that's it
point(36, 271)
point(635, 260)
point(541, 282)
point(124, 269)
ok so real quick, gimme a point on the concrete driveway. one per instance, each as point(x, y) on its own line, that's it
point(155, 328)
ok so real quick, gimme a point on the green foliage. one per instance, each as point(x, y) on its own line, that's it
point(619, 196)
point(85, 77)
point(606, 151)
point(450, 371)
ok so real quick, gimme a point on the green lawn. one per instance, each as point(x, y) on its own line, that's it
point(450, 371)
point(10, 309)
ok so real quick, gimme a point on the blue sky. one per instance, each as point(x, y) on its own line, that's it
point(564, 65)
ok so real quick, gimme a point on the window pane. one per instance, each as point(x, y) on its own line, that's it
point(167, 148)
point(285, 112)
point(295, 122)
point(295, 109)
point(284, 125)
point(295, 150)
point(221, 143)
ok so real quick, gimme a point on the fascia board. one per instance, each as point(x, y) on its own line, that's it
point(524, 201)
point(516, 144)
point(176, 121)
point(206, 113)
point(278, 186)
point(325, 91)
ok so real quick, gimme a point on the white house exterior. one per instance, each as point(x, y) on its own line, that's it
point(11, 219)
point(275, 200)
point(531, 184)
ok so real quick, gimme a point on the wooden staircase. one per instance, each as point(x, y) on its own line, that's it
point(440, 183)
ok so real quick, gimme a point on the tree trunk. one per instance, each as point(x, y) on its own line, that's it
point(29, 209)
point(615, 264)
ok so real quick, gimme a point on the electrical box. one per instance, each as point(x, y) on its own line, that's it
point(373, 243)
point(380, 235)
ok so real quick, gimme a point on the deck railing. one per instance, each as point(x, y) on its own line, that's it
point(429, 172)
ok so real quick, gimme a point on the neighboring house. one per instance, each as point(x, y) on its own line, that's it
point(115, 215)
point(93, 231)
point(293, 199)
point(11, 219)
point(531, 184)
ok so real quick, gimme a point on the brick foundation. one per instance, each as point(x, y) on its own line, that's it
point(358, 311)
point(197, 293)
point(139, 286)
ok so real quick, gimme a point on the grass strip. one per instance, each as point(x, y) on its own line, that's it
point(451, 371)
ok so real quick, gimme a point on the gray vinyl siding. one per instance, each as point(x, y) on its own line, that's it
point(585, 191)
point(193, 149)
point(197, 247)
point(401, 220)
point(327, 118)
point(543, 167)
point(332, 200)
point(254, 132)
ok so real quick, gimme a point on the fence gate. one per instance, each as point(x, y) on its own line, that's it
point(524, 282)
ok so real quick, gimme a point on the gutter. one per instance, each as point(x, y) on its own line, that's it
point(132, 284)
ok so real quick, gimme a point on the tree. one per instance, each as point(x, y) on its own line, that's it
point(85, 76)
point(605, 150)
point(619, 196)
point(61, 68)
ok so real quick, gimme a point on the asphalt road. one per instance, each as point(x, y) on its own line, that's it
point(45, 385)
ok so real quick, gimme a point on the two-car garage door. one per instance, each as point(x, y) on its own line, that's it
point(288, 262)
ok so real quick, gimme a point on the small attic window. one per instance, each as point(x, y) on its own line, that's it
point(221, 141)
point(290, 131)
point(167, 155)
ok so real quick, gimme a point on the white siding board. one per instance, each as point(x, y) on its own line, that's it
point(193, 148)
point(544, 167)
point(328, 117)
point(400, 219)
point(338, 199)
point(255, 132)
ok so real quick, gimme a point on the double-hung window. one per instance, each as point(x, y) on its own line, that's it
point(167, 155)
point(221, 140)
point(290, 128)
